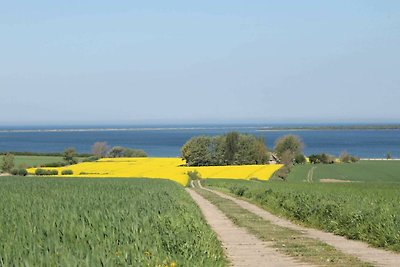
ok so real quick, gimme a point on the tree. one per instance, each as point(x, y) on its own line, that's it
point(231, 146)
point(7, 163)
point(290, 143)
point(345, 157)
point(69, 155)
point(116, 152)
point(100, 149)
point(134, 153)
point(196, 151)
point(300, 159)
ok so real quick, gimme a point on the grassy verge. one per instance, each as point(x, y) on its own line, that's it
point(102, 222)
point(361, 211)
point(290, 242)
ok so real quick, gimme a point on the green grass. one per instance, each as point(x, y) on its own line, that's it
point(364, 211)
point(363, 171)
point(31, 161)
point(102, 222)
point(290, 242)
point(34, 161)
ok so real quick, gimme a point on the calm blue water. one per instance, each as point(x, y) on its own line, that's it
point(166, 141)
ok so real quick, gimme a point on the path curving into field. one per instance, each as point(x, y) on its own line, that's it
point(241, 247)
point(361, 250)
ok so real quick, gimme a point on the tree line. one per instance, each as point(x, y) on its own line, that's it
point(230, 149)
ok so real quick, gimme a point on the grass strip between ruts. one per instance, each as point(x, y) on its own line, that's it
point(287, 241)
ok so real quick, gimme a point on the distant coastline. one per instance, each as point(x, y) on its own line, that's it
point(331, 128)
point(255, 127)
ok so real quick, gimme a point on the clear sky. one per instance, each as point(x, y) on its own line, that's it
point(199, 61)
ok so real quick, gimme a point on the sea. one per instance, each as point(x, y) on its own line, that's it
point(166, 140)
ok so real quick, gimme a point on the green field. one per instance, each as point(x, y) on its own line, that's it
point(32, 161)
point(364, 211)
point(102, 222)
point(363, 171)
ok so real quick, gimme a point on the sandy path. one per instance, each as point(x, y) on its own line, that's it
point(241, 247)
point(358, 249)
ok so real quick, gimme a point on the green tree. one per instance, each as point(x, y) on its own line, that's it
point(7, 163)
point(231, 146)
point(69, 155)
point(116, 152)
point(196, 151)
point(291, 143)
point(134, 153)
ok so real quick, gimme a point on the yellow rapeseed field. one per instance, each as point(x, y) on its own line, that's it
point(164, 168)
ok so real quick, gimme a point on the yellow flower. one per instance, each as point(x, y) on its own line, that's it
point(147, 254)
point(164, 168)
point(173, 264)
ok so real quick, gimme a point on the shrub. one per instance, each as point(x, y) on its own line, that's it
point(41, 172)
point(54, 164)
point(321, 158)
point(354, 159)
point(7, 163)
point(194, 175)
point(90, 159)
point(67, 172)
point(300, 159)
point(347, 158)
point(19, 172)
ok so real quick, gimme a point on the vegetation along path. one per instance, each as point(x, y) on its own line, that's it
point(242, 248)
point(362, 251)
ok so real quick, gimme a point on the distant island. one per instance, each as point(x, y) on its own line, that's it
point(333, 127)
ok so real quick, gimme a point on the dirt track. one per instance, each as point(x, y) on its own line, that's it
point(378, 257)
point(241, 247)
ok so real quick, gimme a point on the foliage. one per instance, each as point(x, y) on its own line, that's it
point(67, 172)
point(69, 155)
point(100, 149)
point(300, 159)
point(283, 172)
point(194, 175)
point(7, 163)
point(291, 143)
point(123, 152)
point(19, 172)
point(347, 158)
point(230, 149)
point(102, 222)
point(54, 164)
point(90, 159)
point(321, 158)
point(366, 212)
point(41, 172)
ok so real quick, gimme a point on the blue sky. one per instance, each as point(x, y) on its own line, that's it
point(116, 62)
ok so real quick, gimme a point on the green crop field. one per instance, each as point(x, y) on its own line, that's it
point(102, 222)
point(363, 171)
point(364, 211)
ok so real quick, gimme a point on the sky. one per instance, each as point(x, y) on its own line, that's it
point(139, 62)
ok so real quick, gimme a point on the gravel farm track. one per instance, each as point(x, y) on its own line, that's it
point(245, 249)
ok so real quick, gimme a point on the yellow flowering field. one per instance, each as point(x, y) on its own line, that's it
point(164, 168)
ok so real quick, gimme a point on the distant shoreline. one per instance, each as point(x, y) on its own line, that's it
point(332, 128)
point(230, 127)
